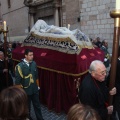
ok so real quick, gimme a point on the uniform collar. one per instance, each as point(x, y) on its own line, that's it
point(28, 63)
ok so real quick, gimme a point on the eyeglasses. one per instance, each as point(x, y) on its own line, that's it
point(104, 72)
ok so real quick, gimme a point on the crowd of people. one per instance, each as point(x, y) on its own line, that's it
point(103, 45)
point(26, 78)
point(93, 90)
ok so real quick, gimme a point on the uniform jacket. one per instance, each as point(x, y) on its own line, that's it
point(26, 76)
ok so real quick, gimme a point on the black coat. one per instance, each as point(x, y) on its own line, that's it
point(3, 83)
point(117, 81)
point(94, 94)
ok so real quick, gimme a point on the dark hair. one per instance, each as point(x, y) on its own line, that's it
point(104, 41)
point(27, 51)
point(13, 104)
point(9, 43)
point(98, 38)
point(82, 112)
point(14, 45)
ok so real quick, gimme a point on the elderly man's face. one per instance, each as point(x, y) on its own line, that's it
point(100, 73)
point(1, 56)
point(106, 44)
point(10, 45)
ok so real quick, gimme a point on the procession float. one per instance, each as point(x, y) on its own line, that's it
point(63, 58)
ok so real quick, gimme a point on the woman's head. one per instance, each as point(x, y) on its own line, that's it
point(13, 104)
point(81, 112)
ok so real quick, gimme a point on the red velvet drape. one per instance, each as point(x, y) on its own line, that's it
point(57, 74)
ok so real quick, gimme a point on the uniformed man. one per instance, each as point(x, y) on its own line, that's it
point(27, 77)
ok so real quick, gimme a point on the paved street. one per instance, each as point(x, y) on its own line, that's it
point(49, 115)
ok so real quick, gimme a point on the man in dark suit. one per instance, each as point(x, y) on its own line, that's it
point(104, 48)
point(93, 90)
point(26, 75)
point(9, 55)
point(3, 72)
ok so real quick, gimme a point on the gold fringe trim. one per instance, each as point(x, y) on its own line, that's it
point(65, 73)
point(57, 49)
point(53, 39)
point(84, 44)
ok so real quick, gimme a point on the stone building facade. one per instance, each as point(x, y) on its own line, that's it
point(15, 13)
point(90, 16)
point(96, 20)
point(94, 16)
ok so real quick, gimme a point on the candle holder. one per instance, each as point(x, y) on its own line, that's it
point(5, 50)
point(116, 15)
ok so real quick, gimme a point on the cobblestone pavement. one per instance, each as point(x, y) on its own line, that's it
point(48, 115)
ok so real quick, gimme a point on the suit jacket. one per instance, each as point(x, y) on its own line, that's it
point(117, 81)
point(26, 76)
point(3, 83)
point(9, 53)
point(107, 56)
point(94, 94)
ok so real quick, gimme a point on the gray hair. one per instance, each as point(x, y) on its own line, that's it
point(1, 52)
point(94, 64)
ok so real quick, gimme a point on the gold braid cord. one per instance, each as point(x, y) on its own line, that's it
point(61, 72)
point(9, 54)
point(25, 77)
point(107, 56)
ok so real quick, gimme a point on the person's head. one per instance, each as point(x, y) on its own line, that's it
point(13, 104)
point(105, 43)
point(14, 45)
point(9, 45)
point(91, 39)
point(94, 41)
point(28, 55)
point(98, 39)
point(82, 112)
point(1, 55)
point(98, 70)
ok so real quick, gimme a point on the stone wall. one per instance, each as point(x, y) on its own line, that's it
point(95, 20)
point(91, 16)
point(70, 13)
point(16, 17)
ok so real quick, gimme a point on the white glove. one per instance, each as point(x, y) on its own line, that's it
point(105, 59)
